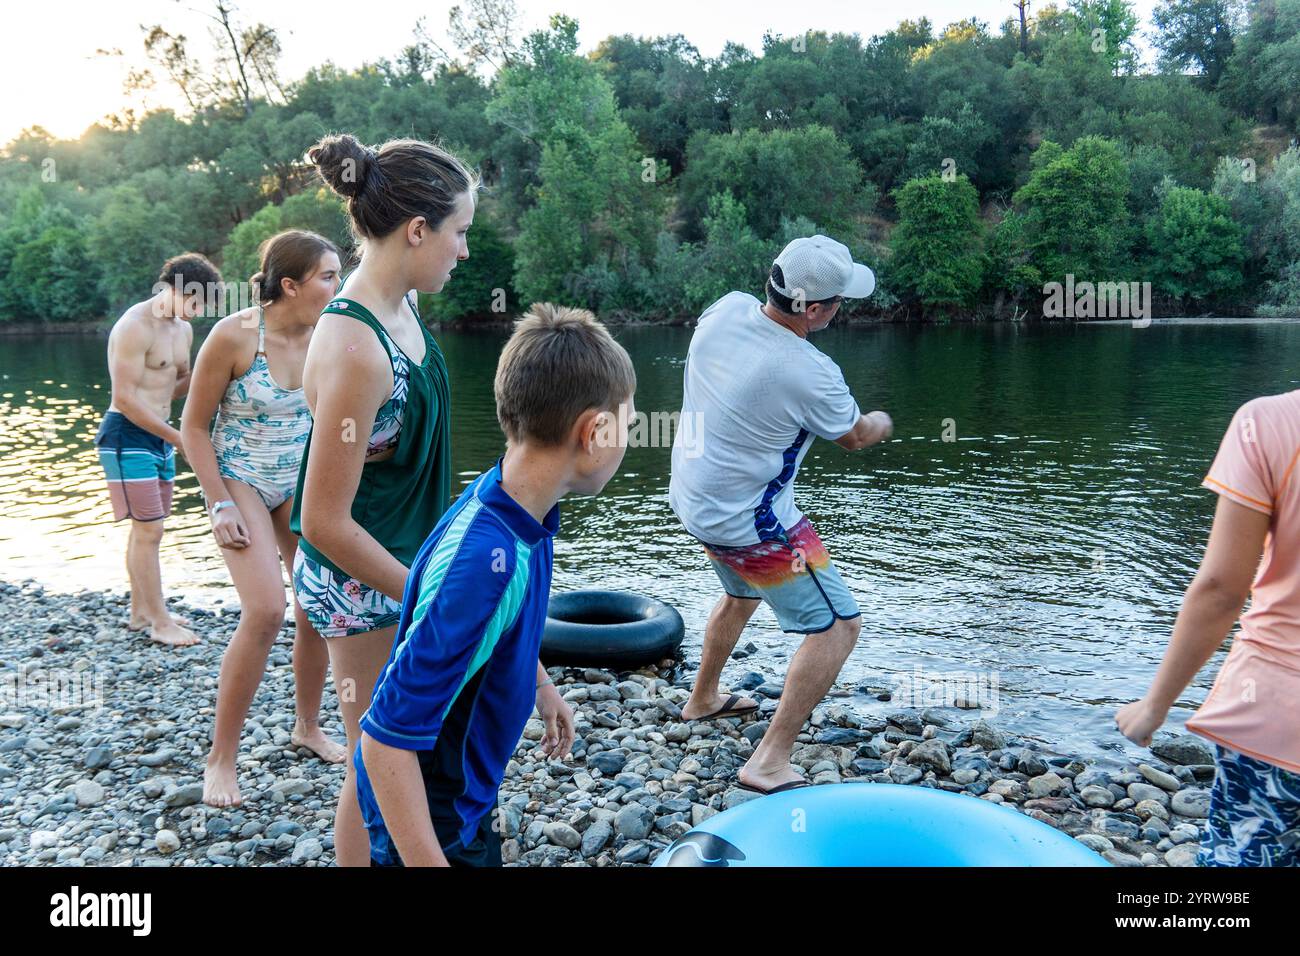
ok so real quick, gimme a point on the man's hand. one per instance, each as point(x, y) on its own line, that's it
point(558, 717)
point(871, 429)
point(884, 424)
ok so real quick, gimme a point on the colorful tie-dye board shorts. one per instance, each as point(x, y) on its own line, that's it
point(794, 576)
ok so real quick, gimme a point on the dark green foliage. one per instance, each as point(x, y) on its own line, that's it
point(936, 248)
point(645, 179)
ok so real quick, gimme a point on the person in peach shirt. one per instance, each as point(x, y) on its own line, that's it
point(1252, 713)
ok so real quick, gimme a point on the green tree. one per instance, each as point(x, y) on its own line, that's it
point(1011, 271)
point(943, 143)
point(598, 200)
point(664, 92)
point(1282, 195)
point(807, 171)
point(1074, 210)
point(317, 211)
point(131, 240)
point(1111, 26)
point(1196, 248)
point(57, 277)
point(1197, 34)
point(1260, 78)
point(731, 257)
point(936, 254)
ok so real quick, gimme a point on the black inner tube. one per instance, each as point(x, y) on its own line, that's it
point(609, 628)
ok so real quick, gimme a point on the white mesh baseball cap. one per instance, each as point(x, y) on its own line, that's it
point(820, 268)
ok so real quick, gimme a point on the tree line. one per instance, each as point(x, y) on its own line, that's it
point(969, 165)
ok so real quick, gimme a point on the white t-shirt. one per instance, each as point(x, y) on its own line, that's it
point(754, 396)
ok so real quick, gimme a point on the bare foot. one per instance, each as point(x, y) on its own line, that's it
point(221, 786)
point(765, 779)
point(697, 707)
point(314, 739)
point(169, 632)
point(140, 623)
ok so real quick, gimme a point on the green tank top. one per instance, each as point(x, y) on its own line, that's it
point(399, 499)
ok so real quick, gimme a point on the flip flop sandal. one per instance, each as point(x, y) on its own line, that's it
point(726, 710)
point(789, 785)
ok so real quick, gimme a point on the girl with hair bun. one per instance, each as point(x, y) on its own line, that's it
point(376, 475)
point(249, 375)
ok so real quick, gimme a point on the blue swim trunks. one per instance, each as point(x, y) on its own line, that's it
point(139, 466)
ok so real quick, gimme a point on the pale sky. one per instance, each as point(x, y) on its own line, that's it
point(51, 75)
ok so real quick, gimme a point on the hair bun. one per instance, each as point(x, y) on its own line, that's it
point(344, 163)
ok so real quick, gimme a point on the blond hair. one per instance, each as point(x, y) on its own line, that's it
point(559, 363)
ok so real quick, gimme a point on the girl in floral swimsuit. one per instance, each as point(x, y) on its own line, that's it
point(249, 375)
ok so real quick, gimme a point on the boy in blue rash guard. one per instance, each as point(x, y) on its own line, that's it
point(463, 676)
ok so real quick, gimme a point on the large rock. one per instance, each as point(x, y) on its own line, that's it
point(1030, 764)
point(1182, 855)
point(931, 753)
point(1192, 802)
point(1144, 791)
point(635, 821)
point(293, 786)
point(1146, 809)
point(1095, 796)
point(1165, 781)
point(561, 834)
point(88, 793)
point(1183, 749)
point(1095, 842)
point(735, 797)
point(595, 837)
point(903, 773)
point(608, 762)
point(306, 848)
point(1046, 784)
point(183, 796)
point(842, 736)
point(987, 736)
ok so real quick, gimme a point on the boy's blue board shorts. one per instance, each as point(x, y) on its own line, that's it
point(485, 850)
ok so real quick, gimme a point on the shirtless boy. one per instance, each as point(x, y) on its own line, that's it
point(149, 363)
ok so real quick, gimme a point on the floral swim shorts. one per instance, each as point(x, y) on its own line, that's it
point(1254, 815)
point(337, 605)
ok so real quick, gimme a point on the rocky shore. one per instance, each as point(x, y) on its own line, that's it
point(103, 737)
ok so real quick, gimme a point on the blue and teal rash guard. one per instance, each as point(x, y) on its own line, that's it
point(461, 680)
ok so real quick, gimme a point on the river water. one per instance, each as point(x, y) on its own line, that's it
point(1030, 528)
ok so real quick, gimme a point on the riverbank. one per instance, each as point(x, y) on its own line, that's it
point(103, 737)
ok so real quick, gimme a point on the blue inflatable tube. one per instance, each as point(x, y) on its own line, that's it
point(874, 824)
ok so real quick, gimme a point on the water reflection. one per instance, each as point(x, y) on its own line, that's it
point(1036, 517)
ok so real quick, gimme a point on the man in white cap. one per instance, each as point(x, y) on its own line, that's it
point(759, 392)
